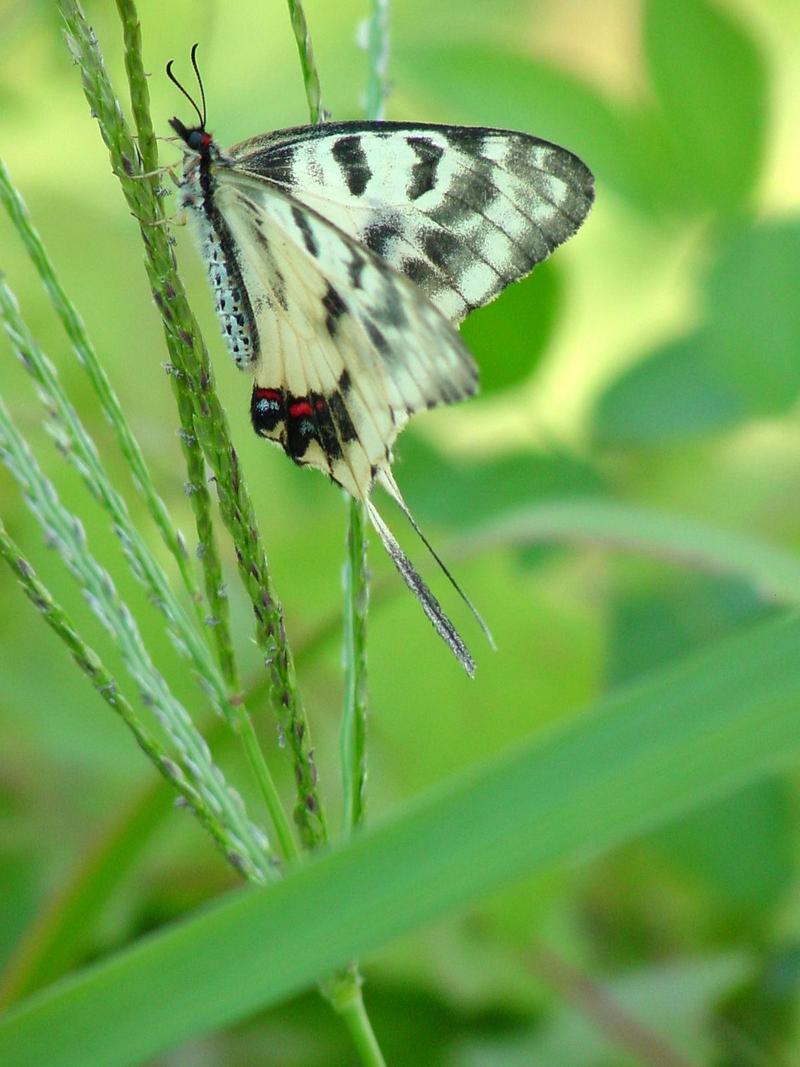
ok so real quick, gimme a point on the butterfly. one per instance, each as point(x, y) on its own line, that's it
point(342, 257)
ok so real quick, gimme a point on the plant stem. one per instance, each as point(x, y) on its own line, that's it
point(192, 381)
point(77, 446)
point(302, 37)
point(355, 1016)
point(343, 989)
point(87, 357)
point(199, 498)
point(193, 769)
point(353, 734)
point(268, 789)
point(378, 53)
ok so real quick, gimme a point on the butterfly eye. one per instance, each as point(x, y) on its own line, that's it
point(196, 139)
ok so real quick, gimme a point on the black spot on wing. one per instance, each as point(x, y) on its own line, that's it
point(423, 172)
point(335, 307)
point(326, 429)
point(390, 311)
point(469, 139)
point(355, 269)
point(303, 225)
point(276, 278)
point(301, 426)
point(349, 154)
point(341, 416)
point(375, 335)
point(420, 273)
point(379, 235)
point(444, 249)
point(471, 191)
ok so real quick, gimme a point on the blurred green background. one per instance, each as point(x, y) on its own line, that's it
point(654, 362)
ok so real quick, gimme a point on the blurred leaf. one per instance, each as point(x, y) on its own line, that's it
point(676, 539)
point(742, 848)
point(487, 85)
point(742, 363)
point(510, 336)
point(660, 617)
point(63, 927)
point(672, 1000)
point(711, 81)
point(460, 492)
point(491, 86)
point(640, 757)
point(754, 315)
point(676, 391)
point(760, 1017)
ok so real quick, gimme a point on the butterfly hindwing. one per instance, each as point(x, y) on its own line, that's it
point(461, 211)
point(348, 347)
point(342, 255)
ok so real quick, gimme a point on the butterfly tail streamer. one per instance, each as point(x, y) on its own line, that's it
point(430, 605)
point(390, 485)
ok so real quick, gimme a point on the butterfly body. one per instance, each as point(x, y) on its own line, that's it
point(342, 257)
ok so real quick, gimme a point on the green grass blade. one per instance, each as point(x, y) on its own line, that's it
point(639, 757)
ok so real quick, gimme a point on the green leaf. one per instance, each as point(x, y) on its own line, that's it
point(492, 86)
point(672, 1002)
point(640, 757)
point(628, 527)
point(711, 81)
point(459, 492)
point(660, 616)
point(510, 336)
point(742, 363)
point(742, 847)
point(676, 392)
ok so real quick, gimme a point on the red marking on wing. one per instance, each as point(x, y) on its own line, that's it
point(269, 394)
point(300, 407)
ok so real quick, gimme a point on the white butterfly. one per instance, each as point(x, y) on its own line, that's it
point(343, 255)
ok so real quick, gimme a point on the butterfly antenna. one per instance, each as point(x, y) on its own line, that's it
point(430, 604)
point(390, 485)
point(177, 84)
point(199, 83)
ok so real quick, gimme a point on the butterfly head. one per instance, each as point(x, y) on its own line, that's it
point(197, 138)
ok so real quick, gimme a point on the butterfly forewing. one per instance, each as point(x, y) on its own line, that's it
point(461, 211)
point(348, 347)
point(342, 255)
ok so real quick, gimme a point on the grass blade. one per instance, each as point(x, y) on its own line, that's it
point(639, 757)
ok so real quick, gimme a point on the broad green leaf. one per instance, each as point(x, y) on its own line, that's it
point(458, 492)
point(711, 81)
point(659, 616)
point(742, 363)
point(509, 337)
point(754, 315)
point(742, 848)
point(675, 392)
point(641, 756)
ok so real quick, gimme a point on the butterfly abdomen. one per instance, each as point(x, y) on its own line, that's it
point(231, 301)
